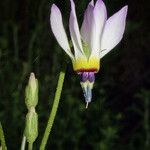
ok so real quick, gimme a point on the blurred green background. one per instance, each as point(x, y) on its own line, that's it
point(118, 117)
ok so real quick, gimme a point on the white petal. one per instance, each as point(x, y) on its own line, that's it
point(86, 28)
point(58, 29)
point(74, 30)
point(113, 31)
point(100, 16)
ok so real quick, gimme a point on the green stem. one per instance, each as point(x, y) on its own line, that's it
point(53, 111)
point(2, 138)
point(30, 146)
point(23, 144)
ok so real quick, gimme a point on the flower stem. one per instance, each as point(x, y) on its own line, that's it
point(30, 146)
point(54, 110)
point(2, 138)
point(23, 144)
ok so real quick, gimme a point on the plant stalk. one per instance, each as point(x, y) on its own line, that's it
point(2, 138)
point(23, 144)
point(30, 146)
point(53, 111)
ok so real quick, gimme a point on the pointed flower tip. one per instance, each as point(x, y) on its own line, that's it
point(89, 7)
point(91, 2)
point(123, 12)
point(54, 5)
point(72, 4)
point(71, 1)
point(54, 8)
point(124, 9)
point(54, 11)
point(99, 2)
point(100, 5)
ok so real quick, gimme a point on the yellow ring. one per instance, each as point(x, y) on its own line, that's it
point(84, 64)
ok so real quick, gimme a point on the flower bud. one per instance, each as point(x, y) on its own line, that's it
point(31, 127)
point(31, 93)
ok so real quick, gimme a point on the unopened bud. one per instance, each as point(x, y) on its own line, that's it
point(31, 128)
point(31, 93)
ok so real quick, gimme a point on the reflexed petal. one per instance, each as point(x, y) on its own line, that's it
point(100, 16)
point(86, 28)
point(113, 31)
point(74, 31)
point(58, 29)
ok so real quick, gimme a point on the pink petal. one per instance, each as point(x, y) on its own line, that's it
point(74, 30)
point(99, 19)
point(113, 31)
point(58, 29)
point(86, 28)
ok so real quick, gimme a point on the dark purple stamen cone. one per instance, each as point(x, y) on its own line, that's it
point(91, 77)
point(87, 76)
point(84, 76)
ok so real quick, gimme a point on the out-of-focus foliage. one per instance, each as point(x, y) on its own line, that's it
point(118, 117)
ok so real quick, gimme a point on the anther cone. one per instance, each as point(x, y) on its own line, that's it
point(87, 81)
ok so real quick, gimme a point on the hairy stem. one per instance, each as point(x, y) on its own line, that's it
point(53, 111)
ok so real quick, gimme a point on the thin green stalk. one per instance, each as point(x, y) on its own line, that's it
point(23, 144)
point(30, 146)
point(2, 138)
point(53, 111)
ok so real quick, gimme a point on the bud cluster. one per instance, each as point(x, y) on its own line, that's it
point(31, 100)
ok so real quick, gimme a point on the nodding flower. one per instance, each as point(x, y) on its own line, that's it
point(97, 36)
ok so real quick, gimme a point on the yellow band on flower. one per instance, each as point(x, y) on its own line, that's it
point(83, 64)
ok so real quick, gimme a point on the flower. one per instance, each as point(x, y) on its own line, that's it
point(97, 36)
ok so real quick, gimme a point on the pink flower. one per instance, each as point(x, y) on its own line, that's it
point(98, 35)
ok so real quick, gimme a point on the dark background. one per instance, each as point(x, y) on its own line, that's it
point(118, 117)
